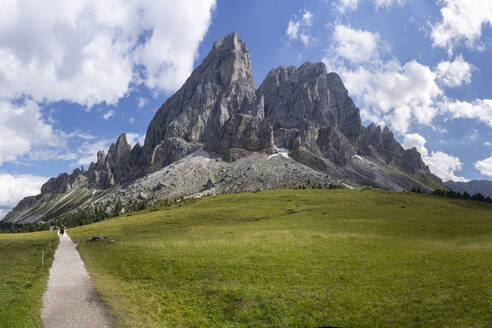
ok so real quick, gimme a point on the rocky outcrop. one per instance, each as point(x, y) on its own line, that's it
point(219, 87)
point(119, 160)
point(169, 151)
point(100, 175)
point(65, 182)
point(298, 114)
point(295, 95)
point(245, 132)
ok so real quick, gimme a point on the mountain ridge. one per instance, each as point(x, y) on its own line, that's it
point(472, 187)
point(299, 118)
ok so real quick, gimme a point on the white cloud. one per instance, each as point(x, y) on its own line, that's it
point(131, 120)
point(392, 94)
point(15, 187)
point(399, 95)
point(455, 73)
point(23, 129)
point(351, 5)
point(81, 135)
point(298, 29)
point(292, 30)
point(485, 166)
point(133, 138)
point(388, 3)
point(108, 115)
point(307, 18)
point(480, 109)
point(487, 143)
point(142, 102)
point(345, 5)
point(87, 152)
point(444, 166)
point(396, 94)
point(355, 45)
point(86, 51)
point(412, 140)
point(441, 164)
point(462, 21)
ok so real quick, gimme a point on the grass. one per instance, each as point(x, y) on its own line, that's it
point(297, 258)
point(22, 279)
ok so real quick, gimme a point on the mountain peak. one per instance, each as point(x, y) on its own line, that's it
point(122, 139)
point(303, 112)
point(219, 87)
point(230, 41)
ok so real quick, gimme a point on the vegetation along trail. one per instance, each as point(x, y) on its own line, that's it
point(71, 299)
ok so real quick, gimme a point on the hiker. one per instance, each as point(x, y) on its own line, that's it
point(62, 230)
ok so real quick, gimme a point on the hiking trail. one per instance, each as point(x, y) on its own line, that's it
point(71, 300)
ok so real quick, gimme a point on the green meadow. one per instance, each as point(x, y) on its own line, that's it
point(22, 278)
point(296, 258)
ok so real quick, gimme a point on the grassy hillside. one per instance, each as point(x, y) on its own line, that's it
point(22, 279)
point(297, 258)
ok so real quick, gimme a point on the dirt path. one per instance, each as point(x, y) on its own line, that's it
point(71, 301)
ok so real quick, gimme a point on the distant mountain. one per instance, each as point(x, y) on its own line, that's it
point(472, 187)
point(219, 134)
point(4, 211)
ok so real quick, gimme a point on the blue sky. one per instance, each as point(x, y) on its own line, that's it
point(83, 72)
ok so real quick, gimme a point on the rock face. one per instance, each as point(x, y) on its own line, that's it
point(219, 87)
point(302, 113)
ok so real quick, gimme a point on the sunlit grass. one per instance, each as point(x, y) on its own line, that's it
point(297, 258)
point(22, 279)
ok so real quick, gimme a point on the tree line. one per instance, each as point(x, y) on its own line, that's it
point(79, 218)
point(457, 195)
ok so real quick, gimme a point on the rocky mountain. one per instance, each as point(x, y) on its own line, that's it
point(220, 134)
point(483, 187)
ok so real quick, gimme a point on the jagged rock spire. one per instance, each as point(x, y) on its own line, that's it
point(220, 86)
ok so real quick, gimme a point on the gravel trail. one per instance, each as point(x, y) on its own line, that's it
point(71, 301)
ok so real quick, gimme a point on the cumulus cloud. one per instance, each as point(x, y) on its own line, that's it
point(399, 94)
point(455, 73)
point(355, 45)
point(22, 129)
point(87, 51)
point(415, 140)
point(298, 29)
point(392, 94)
point(15, 187)
point(485, 166)
point(396, 94)
point(441, 164)
point(462, 21)
point(479, 109)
